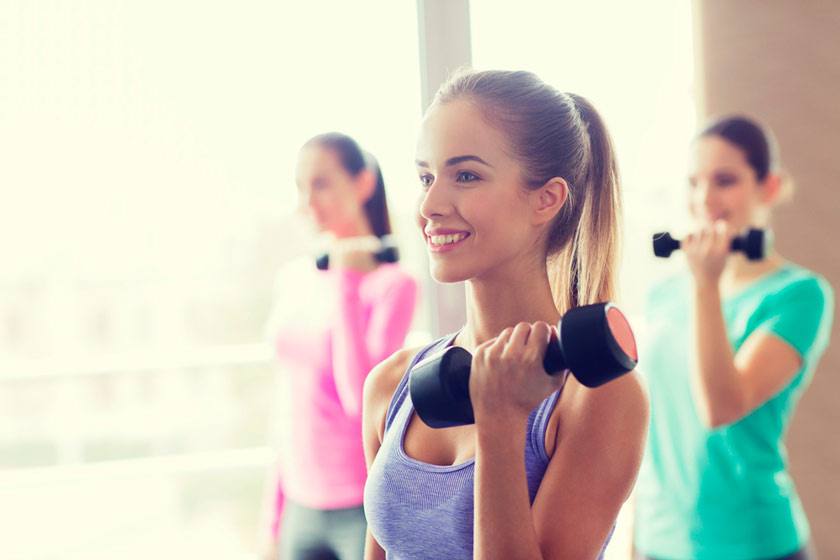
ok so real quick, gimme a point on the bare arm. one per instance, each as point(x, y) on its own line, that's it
point(593, 469)
point(592, 472)
point(729, 386)
point(379, 388)
point(726, 386)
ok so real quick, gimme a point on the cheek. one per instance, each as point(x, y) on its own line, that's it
point(325, 203)
point(335, 199)
point(694, 198)
point(738, 198)
point(316, 199)
point(503, 223)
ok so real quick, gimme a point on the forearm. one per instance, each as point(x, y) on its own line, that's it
point(503, 525)
point(715, 380)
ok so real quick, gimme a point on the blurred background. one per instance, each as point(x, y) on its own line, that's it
point(147, 199)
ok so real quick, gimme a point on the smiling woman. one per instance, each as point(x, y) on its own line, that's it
point(733, 345)
point(509, 206)
point(327, 335)
point(465, 196)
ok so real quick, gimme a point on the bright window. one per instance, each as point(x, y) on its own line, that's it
point(148, 196)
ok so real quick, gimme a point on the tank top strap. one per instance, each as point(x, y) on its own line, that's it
point(538, 425)
point(402, 388)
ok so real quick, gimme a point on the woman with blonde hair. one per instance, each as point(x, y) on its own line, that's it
point(519, 198)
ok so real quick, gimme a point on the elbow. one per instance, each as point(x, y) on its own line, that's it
point(720, 416)
point(723, 407)
point(713, 422)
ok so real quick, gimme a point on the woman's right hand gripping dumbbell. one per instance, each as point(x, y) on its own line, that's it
point(507, 379)
point(706, 251)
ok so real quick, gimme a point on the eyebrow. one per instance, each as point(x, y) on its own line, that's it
point(455, 161)
point(732, 170)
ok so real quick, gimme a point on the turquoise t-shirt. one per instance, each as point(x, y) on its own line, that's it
point(725, 493)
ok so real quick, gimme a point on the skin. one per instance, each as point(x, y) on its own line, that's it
point(333, 200)
point(592, 434)
point(725, 198)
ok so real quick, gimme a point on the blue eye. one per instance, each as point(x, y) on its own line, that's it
point(466, 177)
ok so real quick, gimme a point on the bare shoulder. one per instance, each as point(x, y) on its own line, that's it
point(614, 417)
point(624, 396)
point(380, 385)
point(621, 404)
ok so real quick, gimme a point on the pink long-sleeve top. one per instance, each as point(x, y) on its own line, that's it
point(329, 329)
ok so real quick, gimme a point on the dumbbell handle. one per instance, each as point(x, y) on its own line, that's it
point(458, 361)
point(387, 253)
point(752, 244)
point(599, 346)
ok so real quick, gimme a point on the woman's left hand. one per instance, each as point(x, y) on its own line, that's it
point(507, 379)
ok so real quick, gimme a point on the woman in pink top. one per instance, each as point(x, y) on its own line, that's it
point(329, 328)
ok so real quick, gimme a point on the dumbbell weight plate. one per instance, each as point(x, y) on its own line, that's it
point(439, 386)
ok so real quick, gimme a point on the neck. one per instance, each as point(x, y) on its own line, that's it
point(499, 300)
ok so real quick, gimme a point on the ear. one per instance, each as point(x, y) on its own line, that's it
point(771, 189)
point(549, 199)
point(365, 185)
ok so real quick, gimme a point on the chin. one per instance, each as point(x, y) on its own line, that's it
point(447, 274)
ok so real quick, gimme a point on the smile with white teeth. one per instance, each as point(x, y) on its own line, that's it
point(446, 239)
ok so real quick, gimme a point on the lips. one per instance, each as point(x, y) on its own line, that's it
point(444, 239)
point(447, 239)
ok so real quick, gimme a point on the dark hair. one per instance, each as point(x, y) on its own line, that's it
point(756, 141)
point(556, 134)
point(354, 160)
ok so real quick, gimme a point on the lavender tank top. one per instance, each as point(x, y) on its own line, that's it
point(419, 510)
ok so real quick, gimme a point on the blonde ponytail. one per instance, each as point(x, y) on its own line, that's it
point(587, 267)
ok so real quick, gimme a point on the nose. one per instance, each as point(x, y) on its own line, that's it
point(434, 202)
point(702, 194)
point(304, 199)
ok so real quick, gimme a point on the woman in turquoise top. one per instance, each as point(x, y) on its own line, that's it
point(731, 345)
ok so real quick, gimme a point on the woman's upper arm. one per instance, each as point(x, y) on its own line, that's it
point(765, 364)
point(378, 390)
point(600, 443)
point(796, 325)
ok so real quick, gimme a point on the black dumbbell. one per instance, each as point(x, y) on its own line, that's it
point(595, 342)
point(754, 244)
point(387, 253)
